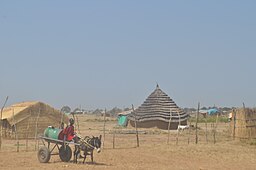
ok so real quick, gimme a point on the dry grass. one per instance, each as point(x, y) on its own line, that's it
point(153, 152)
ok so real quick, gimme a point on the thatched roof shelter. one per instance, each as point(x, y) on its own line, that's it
point(24, 119)
point(157, 110)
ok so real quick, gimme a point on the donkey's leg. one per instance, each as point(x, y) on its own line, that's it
point(85, 154)
point(77, 149)
point(92, 155)
point(76, 152)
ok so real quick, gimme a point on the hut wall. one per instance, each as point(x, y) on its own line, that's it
point(158, 124)
point(245, 123)
point(6, 128)
point(27, 127)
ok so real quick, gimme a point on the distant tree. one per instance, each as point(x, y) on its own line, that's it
point(204, 108)
point(77, 111)
point(97, 112)
point(114, 111)
point(65, 109)
point(226, 109)
point(192, 109)
point(127, 109)
point(189, 109)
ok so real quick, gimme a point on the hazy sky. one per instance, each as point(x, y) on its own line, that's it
point(102, 54)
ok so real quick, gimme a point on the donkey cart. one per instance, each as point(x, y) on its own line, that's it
point(51, 137)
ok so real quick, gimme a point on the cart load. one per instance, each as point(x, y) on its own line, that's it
point(53, 133)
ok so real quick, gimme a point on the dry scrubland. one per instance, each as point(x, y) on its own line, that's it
point(153, 152)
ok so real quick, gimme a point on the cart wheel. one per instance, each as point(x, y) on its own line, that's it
point(44, 155)
point(65, 155)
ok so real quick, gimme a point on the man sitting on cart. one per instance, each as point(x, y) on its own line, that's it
point(68, 134)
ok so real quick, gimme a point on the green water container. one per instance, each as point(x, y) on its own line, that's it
point(122, 120)
point(52, 132)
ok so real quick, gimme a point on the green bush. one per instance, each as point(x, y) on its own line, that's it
point(209, 119)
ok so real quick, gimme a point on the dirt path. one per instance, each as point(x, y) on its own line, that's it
point(220, 156)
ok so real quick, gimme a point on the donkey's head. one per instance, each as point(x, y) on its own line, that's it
point(97, 143)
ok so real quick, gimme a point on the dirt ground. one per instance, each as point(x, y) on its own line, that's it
point(153, 153)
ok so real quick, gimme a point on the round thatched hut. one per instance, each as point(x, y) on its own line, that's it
point(157, 111)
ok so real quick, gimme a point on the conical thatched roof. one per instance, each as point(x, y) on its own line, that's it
point(159, 106)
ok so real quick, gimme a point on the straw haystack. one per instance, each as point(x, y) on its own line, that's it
point(156, 112)
point(28, 119)
point(243, 123)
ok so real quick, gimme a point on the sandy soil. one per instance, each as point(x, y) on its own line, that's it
point(153, 153)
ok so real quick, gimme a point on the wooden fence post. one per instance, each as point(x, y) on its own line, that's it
point(114, 138)
point(234, 128)
point(206, 131)
point(135, 121)
point(215, 129)
point(73, 115)
point(197, 116)
point(77, 123)
point(177, 136)
point(39, 110)
point(28, 131)
point(104, 128)
point(189, 131)
point(1, 121)
point(16, 131)
point(61, 119)
point(169, 124)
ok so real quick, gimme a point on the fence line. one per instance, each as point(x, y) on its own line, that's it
point(115, 138)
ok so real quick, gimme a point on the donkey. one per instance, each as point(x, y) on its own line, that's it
point(87, 145)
